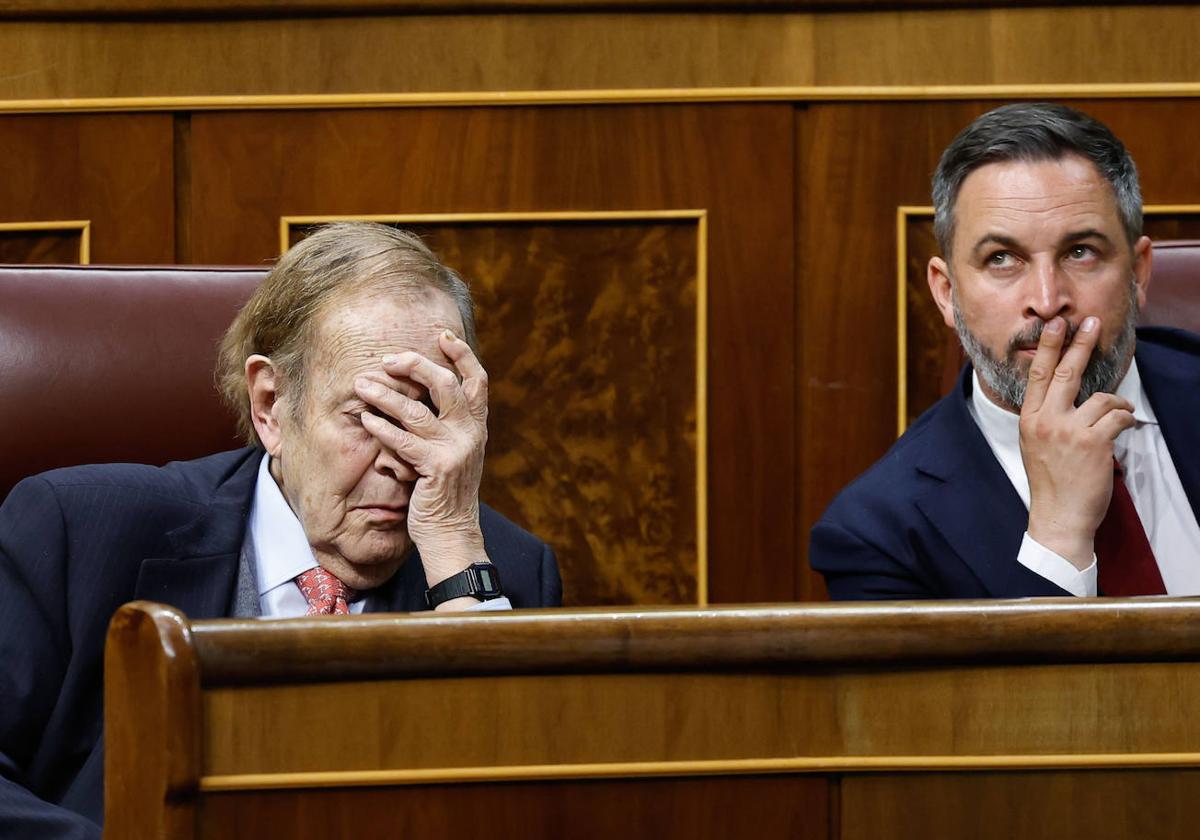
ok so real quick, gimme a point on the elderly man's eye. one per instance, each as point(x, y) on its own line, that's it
point(1000, 259)
point(356, 414)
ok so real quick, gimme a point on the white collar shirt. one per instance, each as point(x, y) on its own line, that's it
point(1150, 476)
point(281, 550)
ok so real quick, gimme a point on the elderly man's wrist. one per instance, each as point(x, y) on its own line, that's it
point(447, 556)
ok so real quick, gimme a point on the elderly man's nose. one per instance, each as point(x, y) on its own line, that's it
point(395, 467)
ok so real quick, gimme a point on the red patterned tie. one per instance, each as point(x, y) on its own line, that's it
point(1126, 562)
point(326, 595)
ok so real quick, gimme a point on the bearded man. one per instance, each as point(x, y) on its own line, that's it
point(1065, 461)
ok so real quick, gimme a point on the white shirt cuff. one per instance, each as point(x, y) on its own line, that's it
point(1057, 569)
point(501, 603)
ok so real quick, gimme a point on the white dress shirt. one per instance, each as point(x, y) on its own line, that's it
point(1150, 476)
point(282, 551)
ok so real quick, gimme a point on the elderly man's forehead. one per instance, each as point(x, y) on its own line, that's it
point(365, 325)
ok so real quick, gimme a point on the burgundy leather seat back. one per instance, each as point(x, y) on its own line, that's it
point(1173, 299)
point(102, 364)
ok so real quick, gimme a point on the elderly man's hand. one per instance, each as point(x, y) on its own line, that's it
point(1068, 451)
point(445, 448)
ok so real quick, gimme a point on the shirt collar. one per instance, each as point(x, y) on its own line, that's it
point(280, 544)
point(1132, 390)
point(1002, 427)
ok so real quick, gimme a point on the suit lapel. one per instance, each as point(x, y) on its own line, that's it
point(966, 495)
point(199, 579)
point(1172, 385)
point(405, 592)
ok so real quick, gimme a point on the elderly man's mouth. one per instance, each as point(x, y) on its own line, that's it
point(385, 512)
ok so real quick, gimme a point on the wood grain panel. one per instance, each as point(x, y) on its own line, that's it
point(269, 52)
point(1004, 46)
point(100, 9)
point(1105, 805)
point(47, 247)
point(837, 718)
point(717, 808)
point(361, 54)
point(855, 165)
point(250, 169)
point(115, 170)
point(718, 639)
point(152, 758)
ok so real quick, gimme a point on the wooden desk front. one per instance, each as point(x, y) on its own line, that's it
point(956, 719)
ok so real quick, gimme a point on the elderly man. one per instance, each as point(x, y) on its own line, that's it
point(353, 374)
point(1064, 462)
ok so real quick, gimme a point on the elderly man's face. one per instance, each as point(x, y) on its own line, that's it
point(1035, 240)
point(350, 493)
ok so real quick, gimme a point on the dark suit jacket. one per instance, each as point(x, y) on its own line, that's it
point(77, 543)
point(937, 517)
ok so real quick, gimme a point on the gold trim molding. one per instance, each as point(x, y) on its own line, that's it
point(903, 214)
point(626, 769)
point(599, 96)
point(699, 217)
point(84, 226)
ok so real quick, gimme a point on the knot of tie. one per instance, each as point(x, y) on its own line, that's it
point(325, 593)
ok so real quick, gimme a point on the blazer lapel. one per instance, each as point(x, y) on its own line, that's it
point(966, 495)
point(200, 578)
point(405, 592)
point(1173, 387)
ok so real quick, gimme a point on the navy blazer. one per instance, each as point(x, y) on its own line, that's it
point(937, 517)
point(77, 543)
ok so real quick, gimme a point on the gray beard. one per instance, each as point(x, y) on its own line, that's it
point(1006, 378)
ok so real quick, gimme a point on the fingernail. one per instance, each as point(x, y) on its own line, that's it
point(391, 359)
point(449, 336)
point(1089, 323)
point(1055, 326)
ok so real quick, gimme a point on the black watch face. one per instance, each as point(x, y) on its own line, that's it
point(488, 579)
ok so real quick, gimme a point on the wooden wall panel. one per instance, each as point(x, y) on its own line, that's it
point(281, 51)
point(856, 164)
point(46, 246)
point(249, 169)
point(399, 53)
point(1105, 805)
point(790, 807)
point(112, 170)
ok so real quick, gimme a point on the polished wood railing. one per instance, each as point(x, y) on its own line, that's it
point(943, 719)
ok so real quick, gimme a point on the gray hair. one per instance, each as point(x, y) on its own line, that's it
point(1033, 132)
point(336, 260)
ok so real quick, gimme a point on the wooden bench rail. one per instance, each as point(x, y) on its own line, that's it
point(1061, 630)
point(886, 717)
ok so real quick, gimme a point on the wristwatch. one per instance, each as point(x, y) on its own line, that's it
point(479, 580)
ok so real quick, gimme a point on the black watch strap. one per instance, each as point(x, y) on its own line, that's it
point(479, 580)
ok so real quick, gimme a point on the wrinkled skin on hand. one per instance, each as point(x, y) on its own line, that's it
point(444, 446)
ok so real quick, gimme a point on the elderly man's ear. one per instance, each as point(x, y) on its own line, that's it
point(263, 382)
